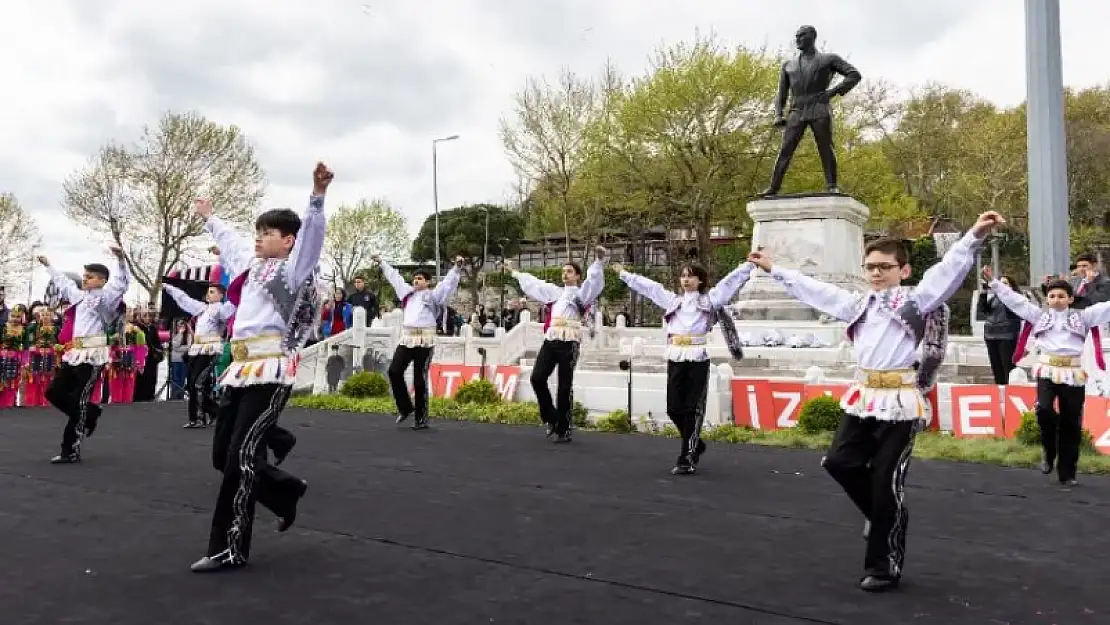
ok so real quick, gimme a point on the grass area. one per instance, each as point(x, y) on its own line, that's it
point(932, 445)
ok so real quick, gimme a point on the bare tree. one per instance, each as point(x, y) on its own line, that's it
point(356, 233)
point(18, 232)
point(544, 140)
point(142, 195)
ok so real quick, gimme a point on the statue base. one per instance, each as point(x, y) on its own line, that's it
point(819, 234)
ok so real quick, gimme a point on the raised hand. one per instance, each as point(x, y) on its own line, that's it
point(459, 261)
point(507, 264)
point(44, 261)
point(761, 258)
point(600, 252)
point(988, 273)
point(321, 178)
point(377, 259)
point(619, 268)
point(986, 221)
point(116, 251)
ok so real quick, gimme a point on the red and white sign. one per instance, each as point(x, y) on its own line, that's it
point(447, 378)
point(973, 410)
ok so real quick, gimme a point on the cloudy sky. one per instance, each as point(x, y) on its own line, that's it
point(367, 84)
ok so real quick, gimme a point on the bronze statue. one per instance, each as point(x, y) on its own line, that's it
point(807, 79)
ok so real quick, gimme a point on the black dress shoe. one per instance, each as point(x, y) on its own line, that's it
point(875, 583)
point(286, 522)
point(563, 438)
point(66, 459)
point(683, 469)
point(421, 424)
point(401, 418)
point(1069, 482)
point(1047, 465)
point(219, 562)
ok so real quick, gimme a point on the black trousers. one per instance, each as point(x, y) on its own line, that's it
point(561, 355)
point(869, 459)
point(1001, 354)
point(70, 392)
point(1061, 432)
point(247, 415)
point(200, 380)
point(792, 135)
point(687, 387)
point(421, 360)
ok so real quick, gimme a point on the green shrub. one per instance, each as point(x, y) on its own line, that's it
point(478, 391)
point(365, 384)
point(580, 416)
point(616, 421)
point(1029, 433)
point(820, 414)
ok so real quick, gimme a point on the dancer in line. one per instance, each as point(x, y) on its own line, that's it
point(277, 307)
point(93, 311)
point(1059, 334)
point(886, 406)
point(42, 357)
point(279, 440)
point(208, 342)
point(129, 351)
point(688, 318)
point(13, 356)
point(423, 309)
point(568, 308)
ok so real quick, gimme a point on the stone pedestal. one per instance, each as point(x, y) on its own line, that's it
point(821, 235)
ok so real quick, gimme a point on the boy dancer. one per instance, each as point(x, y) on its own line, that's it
point(567, 308)
point(1059, 334)
point(277, 304)
point(208, 343)
point(93, 310)
point(886, 406)
point(422, 310)
point(688, 318)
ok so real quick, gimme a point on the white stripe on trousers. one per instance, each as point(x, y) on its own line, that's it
point(699, 416)
point(247, 476)
point(570, 403)
point(83, 408)
point(427, 382)
point(896, 539)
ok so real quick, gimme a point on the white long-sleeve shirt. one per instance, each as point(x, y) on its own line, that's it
point(688, 318)
point(1057, 340)
point(561, 298)
point(256, 314)
point(418, 309)
point(881, 341)
point(92, 305)
point(212, 315)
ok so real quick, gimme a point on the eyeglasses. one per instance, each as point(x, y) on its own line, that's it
point(869, 267)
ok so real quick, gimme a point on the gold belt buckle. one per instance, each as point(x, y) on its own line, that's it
point(1060, 361)
point(239, 351)
point(884, 379)
point(682, 340)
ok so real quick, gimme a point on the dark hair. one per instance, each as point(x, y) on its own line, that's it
point(423, 273)
point(284, 220)
point(889, 245)
point(98, 269)
point(1086, 256)
point(1063, 285)
point(218, 287)
point(699, 272)
point(1008, 279)
point(577, 268)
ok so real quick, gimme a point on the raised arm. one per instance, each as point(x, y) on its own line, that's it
point(944, 278)
point(236, 250)
point(723, 291)
point(442, 291)
point(119, 282)
point(305, 255)
point(393, 277)
point(1096, 314)
point(827, 298)
point(188, 304)
point(67, 289)
point(537, 289)
point(1016, 302)
point(594, 282)
point(647, 287)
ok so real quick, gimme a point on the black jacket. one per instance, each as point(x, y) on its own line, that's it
point(999, 322)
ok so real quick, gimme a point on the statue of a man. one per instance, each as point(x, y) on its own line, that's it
point(806, 79)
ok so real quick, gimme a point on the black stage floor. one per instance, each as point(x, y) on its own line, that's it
point(479, 524)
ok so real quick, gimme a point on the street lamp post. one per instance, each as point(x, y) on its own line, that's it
point(435, 195)
point(502, 242)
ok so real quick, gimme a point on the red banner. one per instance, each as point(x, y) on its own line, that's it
point(446, 379)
